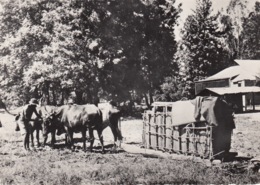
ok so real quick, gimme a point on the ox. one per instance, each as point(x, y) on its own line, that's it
point(111, 118)
point(76, 118)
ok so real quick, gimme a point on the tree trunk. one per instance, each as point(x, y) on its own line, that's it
point(147, 101)
point(36, 93)
point(150, 97)
point(79, 97)
point(46, 93)
point(89, 97)
point(96, 100)
point(54, 101)
point(62, 98)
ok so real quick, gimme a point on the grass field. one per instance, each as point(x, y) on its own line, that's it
point(62, 166)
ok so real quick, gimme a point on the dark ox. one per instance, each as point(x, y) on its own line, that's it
point(111, 118)
point(76, 118)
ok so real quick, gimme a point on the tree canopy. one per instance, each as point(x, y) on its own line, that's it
point(96, 49)
point(121, 50)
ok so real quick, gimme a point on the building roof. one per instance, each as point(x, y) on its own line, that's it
point(226, 73)
point(236, 72)
point(244, 76)
point(232, 90)
point(251, 66)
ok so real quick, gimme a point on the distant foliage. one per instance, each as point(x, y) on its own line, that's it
point(251, 34)
point(241, 23)
point(237, 10)
point(173, 89)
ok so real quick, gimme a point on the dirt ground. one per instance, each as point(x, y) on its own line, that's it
point(62, 166)
point(245, 139)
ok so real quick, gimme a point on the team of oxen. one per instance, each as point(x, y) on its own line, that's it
point(70, 119)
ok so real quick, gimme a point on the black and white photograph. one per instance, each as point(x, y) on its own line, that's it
point(126, 92)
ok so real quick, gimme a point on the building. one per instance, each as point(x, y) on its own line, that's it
point(238, 84)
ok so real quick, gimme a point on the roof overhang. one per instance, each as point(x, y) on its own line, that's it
point(211, 80)
point(243, 77)
point(232, 90)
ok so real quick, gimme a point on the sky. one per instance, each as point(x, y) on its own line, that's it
point(189, 5)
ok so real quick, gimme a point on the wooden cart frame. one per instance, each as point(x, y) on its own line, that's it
point(189, 139)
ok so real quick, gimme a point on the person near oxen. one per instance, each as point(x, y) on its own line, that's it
point(24, 121)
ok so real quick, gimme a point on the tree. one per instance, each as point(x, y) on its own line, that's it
point(50, 48)
point(251, 34)
point(237, 10)
point(19, 40)
point(202, 42)
point(140, 36)
point(118, 49)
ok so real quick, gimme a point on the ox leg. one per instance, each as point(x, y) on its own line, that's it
point(70, 138)
point(66, 139)
point(26, 141)
point(117, 135)
point(32, 139)
point(91, 136)
point(38, 138)
point(100, 135)
point(45, 139)
point(84, 139)
point(53, 139)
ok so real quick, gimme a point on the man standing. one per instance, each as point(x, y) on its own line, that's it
point(24, 120)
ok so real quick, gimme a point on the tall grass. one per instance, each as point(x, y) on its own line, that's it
point(56, 167)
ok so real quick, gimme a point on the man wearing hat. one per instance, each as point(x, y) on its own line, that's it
point(25, 118)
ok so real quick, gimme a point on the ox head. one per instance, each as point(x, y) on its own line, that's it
point(48, 124)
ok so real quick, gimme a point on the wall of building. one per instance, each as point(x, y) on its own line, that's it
point(199, 86)
point(248, 97)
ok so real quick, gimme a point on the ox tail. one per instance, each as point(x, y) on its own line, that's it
point(10, 113)
point(3, 106)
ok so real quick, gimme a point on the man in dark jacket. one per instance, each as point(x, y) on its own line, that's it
point(24, 120)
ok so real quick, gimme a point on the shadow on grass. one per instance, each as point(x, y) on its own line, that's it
point(238, 159)
point(133, 143)
point(109, 148)
point(232, 157)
